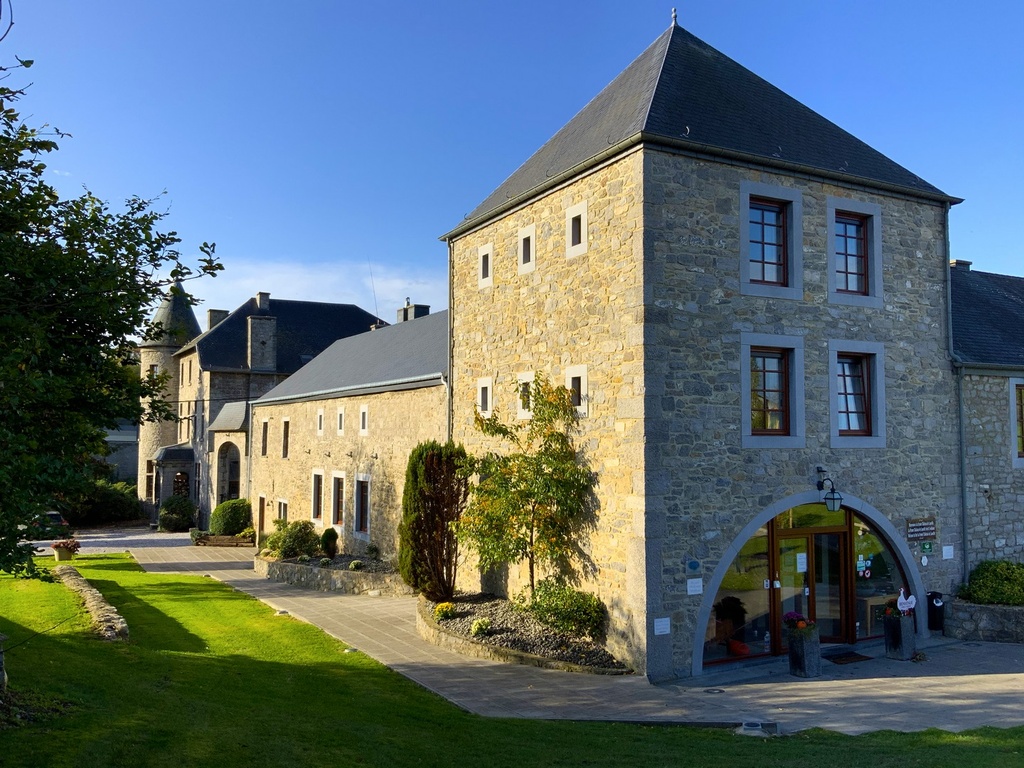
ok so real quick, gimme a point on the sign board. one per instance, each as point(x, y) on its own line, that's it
point(695, 586)
point(662, 626)
point(926, 547)
point(921, 529)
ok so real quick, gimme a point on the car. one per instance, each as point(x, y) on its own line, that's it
point(51, 524)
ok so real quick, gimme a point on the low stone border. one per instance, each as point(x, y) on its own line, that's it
point(332, 579)
point(223, 541)
point(434, 633)
point(107, 621)
point(989, 623)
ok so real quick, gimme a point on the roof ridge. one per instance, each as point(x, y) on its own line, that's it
point(669, 33)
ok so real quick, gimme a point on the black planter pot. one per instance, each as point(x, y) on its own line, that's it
point(900, 637)
point(804, 652)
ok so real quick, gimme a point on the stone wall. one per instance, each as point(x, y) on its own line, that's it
point(989, 623)
point(332, 579)
point(397, 422)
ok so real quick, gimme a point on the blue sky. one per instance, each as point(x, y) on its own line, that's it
point(315, 141)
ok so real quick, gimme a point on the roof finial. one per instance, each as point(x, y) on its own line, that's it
point(674, 17)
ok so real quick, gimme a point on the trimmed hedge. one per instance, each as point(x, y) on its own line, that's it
point(329, 542)
point(995, 582)
point(106, 503)
point(567, 609)
point(231, 517)
point(177, 514)
point(294, 539)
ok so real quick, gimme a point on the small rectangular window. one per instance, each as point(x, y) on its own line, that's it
point(576, 390)
point(527, 253)
point(341, 421)
point(851, 253)
point(261, 514)
point(149, 480)
point(769, 263)
point(189, 371)
point(854, 389)
point(320, 422)
point(577, 230)
point(364, 420)
point(264, 434)
point(285, 425)
point(282, 510)
point(485, 404)
point(153, 371)
point(527, 241)
point(484, 265)
point(769, 391)
point(318, 496)
point(362, 506)
point(485, 396)
point(576, 383)
point(1020, 421)
point(338, 510)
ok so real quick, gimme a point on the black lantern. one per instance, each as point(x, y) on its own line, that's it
point(833, 499)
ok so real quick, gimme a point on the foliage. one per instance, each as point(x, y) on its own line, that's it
point(535, 502)
point(355, 565)
point(303, 558)
point(177, 514)
point(197, 535)
point(294, 539)
point(79, 283)
point(373, 551)
point(325, 562)
point(480, 627)
point(104, 502)
point(231, 517)
point(329, 541)
point(995, 582)
point(72, 545)
point(798, 623)
point(445, 610)
point(435, 495)
point(247, 533)
point(560, 606)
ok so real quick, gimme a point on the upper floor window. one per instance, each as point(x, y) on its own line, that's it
point(285, 426)
point(772, 391)
point(320, 422)
point(527, 249)
point(525, 384)
point(857, 394)
point(264, 433)
point(1019, 389)
point(771, 243)
point(854, 405)
point(576, 229)
point(317, 506)
point(484, 396)
point(769, 391)
point(1017, 421)
point(364, 420)
point(485, 274)
point(576, 381)
point(855, 248)
point(341, 421)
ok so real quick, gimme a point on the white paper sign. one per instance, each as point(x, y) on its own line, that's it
point(947, 553)
point(801, 562)
point(662, 626)
point(695, 586)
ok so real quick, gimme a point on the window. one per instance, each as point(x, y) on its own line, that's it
point(264, 434)
point(769, 391)
point(153, 371)
point(855, 248)
point(771, 242)
point(1017, 422)
point(484, 396)
point(1019, 389)
point(364, 420)
point(338, 499)
point(772, 391)
point(189, 371)
point(576, 230)
point(362, 500)
point(486, 276)
point(525, 385)
point(857, 394)
point(261, 513)
point(341, 421)
point(282, 510)
point(317, 505)
point(527, 249)
point(285, 425)
point(150, 473)
point(320, 422)
point(576, 383)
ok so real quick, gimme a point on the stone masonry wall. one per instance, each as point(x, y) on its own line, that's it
point(398, 421)
point(569, 311)
point(702, 486)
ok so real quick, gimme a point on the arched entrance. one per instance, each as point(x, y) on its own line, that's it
point(229, 472)
point(837, 568)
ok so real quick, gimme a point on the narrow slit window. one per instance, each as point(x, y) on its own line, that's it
point(576, 227)
point(284, 439)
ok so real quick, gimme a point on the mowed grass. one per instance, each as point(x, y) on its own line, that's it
point(212, 677)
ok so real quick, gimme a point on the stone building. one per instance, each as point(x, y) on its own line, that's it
point(331, 443)
point(751, 306)
point(242, 355)
point(988, 344)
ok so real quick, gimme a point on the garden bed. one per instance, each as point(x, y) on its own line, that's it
point(376, 577)
point(223, 541)
point(514, 637)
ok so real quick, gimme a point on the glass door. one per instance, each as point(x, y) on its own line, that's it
point(811, 580)
point(792, 588)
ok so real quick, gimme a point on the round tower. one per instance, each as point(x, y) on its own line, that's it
point(180, 326)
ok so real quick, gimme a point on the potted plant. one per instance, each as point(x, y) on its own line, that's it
point(804, 645)
point(898, 622)
point(65, 549)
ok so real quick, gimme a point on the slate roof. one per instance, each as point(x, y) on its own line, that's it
point(683, 92)
point(233, 417)
point(176, 317)
point(988, 317)
point(401, 356)
point(304, 330)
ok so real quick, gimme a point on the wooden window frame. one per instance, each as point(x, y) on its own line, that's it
point(842, 252)
point(317, 505)
point(1019, 391)
point(781, 208)
point(844, 359)
point(761, 392)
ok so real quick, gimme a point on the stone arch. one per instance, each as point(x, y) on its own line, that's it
point(861, 507)
point(229, 472)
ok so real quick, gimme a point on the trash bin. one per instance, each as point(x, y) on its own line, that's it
point(936, 615)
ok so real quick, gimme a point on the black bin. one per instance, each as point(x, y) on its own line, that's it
point(936, 614)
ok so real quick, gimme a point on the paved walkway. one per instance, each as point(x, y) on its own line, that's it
point(959, 686)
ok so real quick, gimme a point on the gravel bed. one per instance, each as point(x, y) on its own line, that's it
point(341, 563)
point(518, 630)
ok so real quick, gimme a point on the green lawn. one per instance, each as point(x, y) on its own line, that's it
point(212, 677)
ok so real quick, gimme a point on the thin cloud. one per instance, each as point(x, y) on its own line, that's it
point(59, 172)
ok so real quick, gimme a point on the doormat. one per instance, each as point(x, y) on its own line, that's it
point(847, 657)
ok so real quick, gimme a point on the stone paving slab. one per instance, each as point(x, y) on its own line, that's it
point(959, 686)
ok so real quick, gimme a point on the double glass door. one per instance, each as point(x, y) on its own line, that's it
point(811, 579)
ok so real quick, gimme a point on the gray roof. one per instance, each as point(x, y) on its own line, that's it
point(988, 317)
point(233, 417)
point(401, 356)
point(684, 93)
point(176, 318)
point(176, 453)
point(304, 330)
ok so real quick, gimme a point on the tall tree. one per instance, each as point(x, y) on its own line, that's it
point(78, 284)
point(536, 501)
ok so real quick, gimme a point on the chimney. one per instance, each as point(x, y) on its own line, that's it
point(215, 317)
point(412, 311)
point(263, 300)
point(961, 264)
point(262, 343)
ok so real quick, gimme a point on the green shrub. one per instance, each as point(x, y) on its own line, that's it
point(299, 538)
point(177, 514)
point(325, 562)
point(273, 540)
point(444, 611)
point(247, 533)
point(106, 502)
point(303, 558)
point(329, 541)
point(195, 534)
point(373, 551)
point(480, 627)
point(569, 610)
point(355, 565)
point(995, 582)
point(231, 517)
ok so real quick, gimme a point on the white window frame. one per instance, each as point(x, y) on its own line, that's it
point(527, 232)
point(363, 535)
point(1017, 462)
point(794, 345)
point(872, 214)
point(526, 377)
point(580, 209)
point(571, 372)
point(282, 506)
point(320, 422)
point(312, 495)
point(793, 200)
point(481, 252)
point(364, 420)
point(340, 422)
point(875, 352)
point(335, 475)
point(487, 382)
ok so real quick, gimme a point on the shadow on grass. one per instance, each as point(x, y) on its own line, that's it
point(148, 625)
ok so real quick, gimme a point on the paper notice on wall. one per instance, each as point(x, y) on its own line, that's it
point(947, 553)
point(801, 562)
point(662, 626)
point(695, 586)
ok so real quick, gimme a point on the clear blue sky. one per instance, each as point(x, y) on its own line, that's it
point(313, 138)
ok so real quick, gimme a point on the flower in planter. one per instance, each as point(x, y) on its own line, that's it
point(900, 606)
point(71, 545)
point(797, 622)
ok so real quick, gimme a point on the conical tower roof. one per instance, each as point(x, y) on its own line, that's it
point(177, 319)
point(683, 93)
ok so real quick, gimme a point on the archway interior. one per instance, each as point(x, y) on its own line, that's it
point(833, 567)
point(229, 471)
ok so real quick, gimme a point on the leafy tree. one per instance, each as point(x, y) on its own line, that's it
point(535, 502)
point(77, 284)
point(436, 489)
